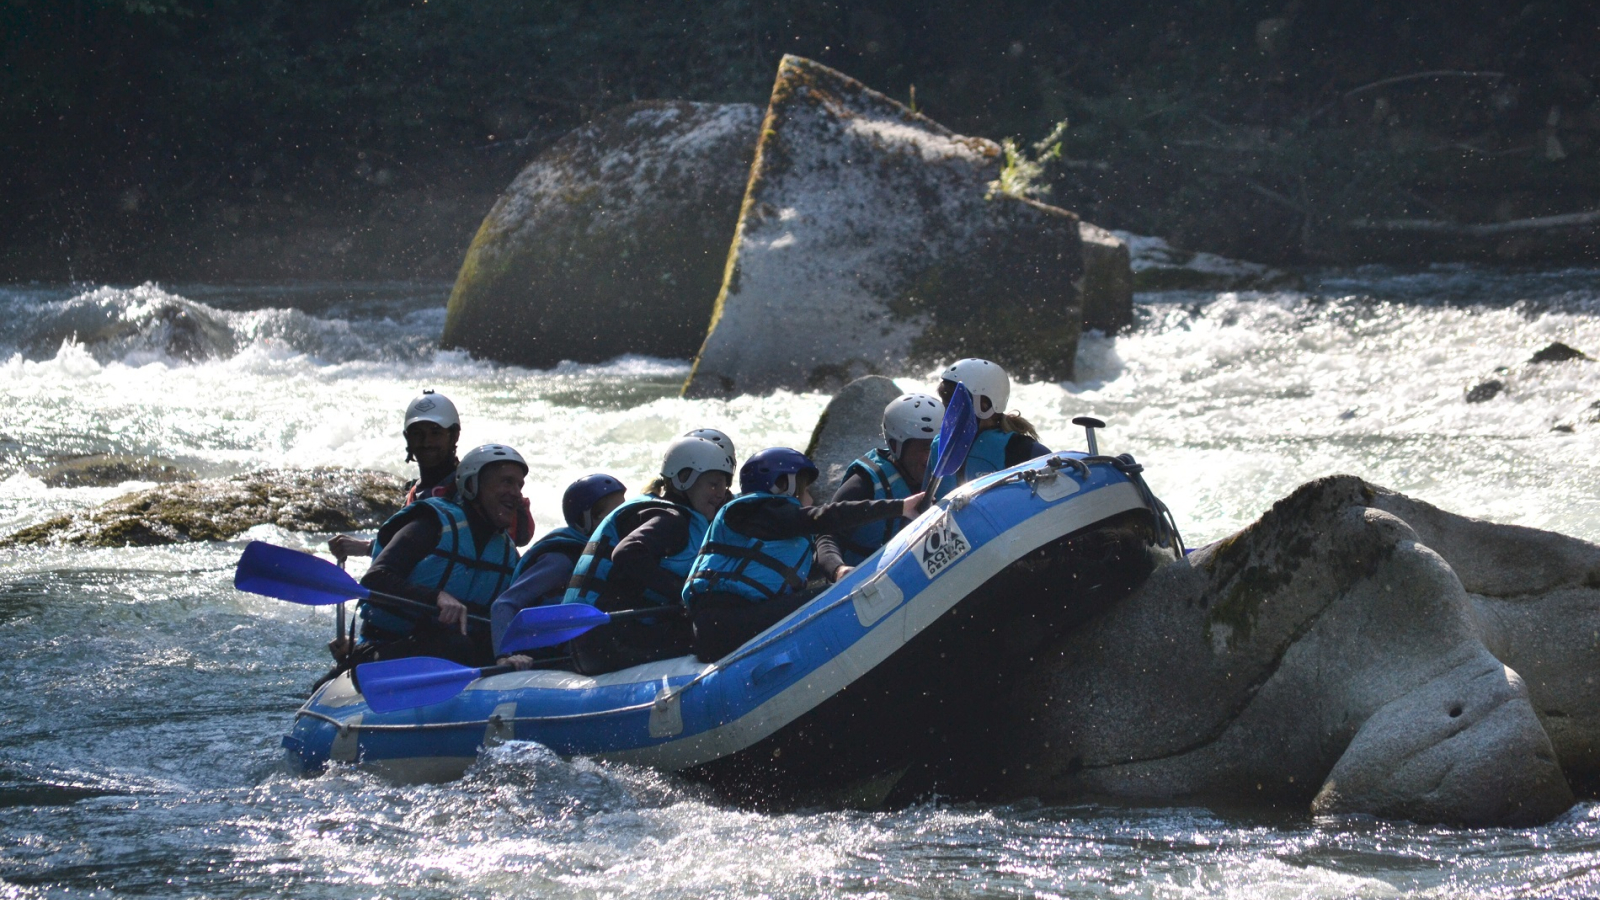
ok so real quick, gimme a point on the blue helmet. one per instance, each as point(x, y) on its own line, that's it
point(760, 471)
point(583, 494)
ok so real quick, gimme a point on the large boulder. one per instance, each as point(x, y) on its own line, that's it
point(1354, 651)
point(873, 240)
point(851, 425)
point(611, 241)
point(218, 509)
point(1107, 280)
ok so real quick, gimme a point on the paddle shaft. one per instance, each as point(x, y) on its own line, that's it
point(381, 597)
point(338, 626)
point(668, 611)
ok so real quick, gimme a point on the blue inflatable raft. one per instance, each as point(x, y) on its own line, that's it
point(892, 669)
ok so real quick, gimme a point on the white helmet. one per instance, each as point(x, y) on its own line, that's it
point(687, 457)
point(431, 407)
point(911, 417)
point(715, 437)
point(985, 380)
point(476, 459)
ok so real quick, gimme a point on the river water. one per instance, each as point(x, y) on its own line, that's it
point(143, 698)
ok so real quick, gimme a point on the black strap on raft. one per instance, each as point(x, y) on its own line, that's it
point(1166, 527)
point(746, 556)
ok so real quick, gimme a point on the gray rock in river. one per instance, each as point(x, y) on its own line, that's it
point(872, 241)
point(1159, 266)
point(1107, 280)
point(612, 241)
point(851, 425)
point(1354, 650)
point(219, 509)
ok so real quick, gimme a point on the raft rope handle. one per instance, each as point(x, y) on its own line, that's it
point(1167, 534)
point(345, 727)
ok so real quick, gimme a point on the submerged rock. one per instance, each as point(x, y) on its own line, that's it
point(1159, 266)
point(218, 509)
point(1557, 352)
point(612, 241)
point(871, 241)
point(1354, 651)
point(851, 425)
point(1484, 391)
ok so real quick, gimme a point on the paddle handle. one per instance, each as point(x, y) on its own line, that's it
point(402, 601)
point(669, 611)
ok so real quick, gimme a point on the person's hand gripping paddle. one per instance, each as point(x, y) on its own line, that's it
point(297, 577)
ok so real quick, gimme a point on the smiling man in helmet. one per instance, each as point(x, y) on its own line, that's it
point(454, 555)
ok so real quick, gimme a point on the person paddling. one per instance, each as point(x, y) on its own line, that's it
point(640, 555)
point(453, 554)
point(761, 549)
point(542, 574)
point(1004, 439)
point(894, 472)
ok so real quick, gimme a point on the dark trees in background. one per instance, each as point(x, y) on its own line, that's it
point(1247, 127)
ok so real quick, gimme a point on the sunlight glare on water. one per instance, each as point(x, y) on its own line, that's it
point(145, 697)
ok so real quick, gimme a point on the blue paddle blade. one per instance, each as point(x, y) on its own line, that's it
point(546, 626)
point(956, 433)
point(396, 684)
point(290, 575)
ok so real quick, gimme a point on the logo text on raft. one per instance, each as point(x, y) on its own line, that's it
point(943, 545)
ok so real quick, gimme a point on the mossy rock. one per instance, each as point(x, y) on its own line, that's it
point(612, 241)
point(872, 241)
point(219, 509)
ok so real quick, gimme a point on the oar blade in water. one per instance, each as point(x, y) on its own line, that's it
point(546, 626)
point(291, 575)
point(396, 684)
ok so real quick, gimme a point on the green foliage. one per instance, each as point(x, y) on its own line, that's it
point(1024, 176)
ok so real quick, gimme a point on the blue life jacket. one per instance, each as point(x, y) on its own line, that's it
point(593, 570)
point(567, 541)
point(473, 576)
point(988, 454)
point(445, 490)
point(740, 564)
point(887, 484)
